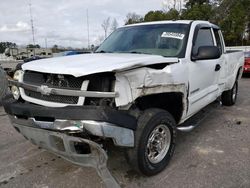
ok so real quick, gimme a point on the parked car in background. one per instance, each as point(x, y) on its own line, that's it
point(33, 58)
point(247, 62)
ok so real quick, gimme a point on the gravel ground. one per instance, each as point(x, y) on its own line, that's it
point(215, 154)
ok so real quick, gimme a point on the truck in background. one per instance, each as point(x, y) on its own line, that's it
point(25, 53)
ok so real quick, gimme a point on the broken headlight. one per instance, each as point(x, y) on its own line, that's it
point(14, 89)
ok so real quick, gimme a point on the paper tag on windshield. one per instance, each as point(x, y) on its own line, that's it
point(173, 35)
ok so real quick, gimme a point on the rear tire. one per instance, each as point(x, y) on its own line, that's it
point(154, 142)
point(228, 98)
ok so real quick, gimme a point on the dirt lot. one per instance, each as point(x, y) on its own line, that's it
point(215, 154)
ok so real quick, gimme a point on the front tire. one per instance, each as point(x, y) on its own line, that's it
point(228, 98)
point(154, 142)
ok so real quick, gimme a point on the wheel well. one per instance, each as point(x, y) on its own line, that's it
point(238, 73)
point(171, 102)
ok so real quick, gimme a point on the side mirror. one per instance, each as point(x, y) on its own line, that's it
point(206, 53)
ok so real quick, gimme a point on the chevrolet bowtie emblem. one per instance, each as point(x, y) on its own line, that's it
point(44, 90)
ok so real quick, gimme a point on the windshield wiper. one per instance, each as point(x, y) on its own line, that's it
point(136, 52)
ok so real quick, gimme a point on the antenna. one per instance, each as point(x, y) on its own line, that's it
point(32, 24)
point(88, 26)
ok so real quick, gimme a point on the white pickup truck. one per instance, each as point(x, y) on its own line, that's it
point(134, 92)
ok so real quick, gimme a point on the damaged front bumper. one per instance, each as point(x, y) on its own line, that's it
point(65, 146)
point(97, 121)
point(53, 129)
point(121, 136)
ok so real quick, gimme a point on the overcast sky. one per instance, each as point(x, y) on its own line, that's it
point(63, 22)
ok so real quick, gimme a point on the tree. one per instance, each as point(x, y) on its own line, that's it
point(192, 3)
point(155, 16)
point(105, 26)
point(198, 12)
point(172, 4)
point(114, 25)
point(132, 18)
point(4, 45)
point(172, 14)
point(158, 15)
point(233, 16)
point(33, 46)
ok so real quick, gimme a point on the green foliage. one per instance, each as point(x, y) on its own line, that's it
point(4, 45)
point(172, 14)
point(33, 46)
point(192, 3)
point(233, 16)
point(133, 18)
point(155, 16)
point(158, 15)
point(198, 12)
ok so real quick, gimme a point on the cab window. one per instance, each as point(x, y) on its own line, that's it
point(204, 38)
point(218, 40)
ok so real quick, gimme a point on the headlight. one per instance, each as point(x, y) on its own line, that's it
point(14, 89)
point(15, 92)
point(18, 75)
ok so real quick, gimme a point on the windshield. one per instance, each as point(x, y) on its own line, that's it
point(167, 40)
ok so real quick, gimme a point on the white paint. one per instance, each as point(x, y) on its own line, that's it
point(80, 65)
point(198, 81)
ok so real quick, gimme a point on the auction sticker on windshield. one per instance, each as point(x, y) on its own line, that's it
point(173, 35)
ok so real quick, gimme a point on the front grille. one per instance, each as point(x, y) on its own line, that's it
point(53, 81)
point(52, 98)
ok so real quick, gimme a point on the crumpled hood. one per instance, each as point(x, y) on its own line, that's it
point(85, 64)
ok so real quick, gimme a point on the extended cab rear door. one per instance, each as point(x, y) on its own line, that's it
point(203, 74)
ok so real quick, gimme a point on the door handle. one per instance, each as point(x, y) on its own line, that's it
point(217, 67)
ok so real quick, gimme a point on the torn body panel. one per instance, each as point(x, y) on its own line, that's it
point(145, 81)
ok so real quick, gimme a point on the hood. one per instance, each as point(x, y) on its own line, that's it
point(85, 64)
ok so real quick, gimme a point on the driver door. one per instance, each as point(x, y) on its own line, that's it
point(203, 74)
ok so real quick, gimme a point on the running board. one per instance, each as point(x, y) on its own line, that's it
point(186, 128)
point(196, 119)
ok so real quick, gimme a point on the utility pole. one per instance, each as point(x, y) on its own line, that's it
point(88, 27)
point(46, 46)
point(175, 4)
point(32, 23)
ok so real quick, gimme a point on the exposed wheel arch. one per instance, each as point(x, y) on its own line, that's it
point(239, 73)
point(170, 101)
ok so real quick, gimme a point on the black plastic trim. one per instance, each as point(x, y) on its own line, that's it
point(95, 113)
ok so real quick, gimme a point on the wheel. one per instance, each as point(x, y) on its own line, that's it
point(229, 97)
point(3, 84)
point(154, 142)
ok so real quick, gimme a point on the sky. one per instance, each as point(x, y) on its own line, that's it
point(64, 22)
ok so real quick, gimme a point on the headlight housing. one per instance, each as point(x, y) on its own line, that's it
point(15, 92)
point(18, 75)
point(14, 89)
